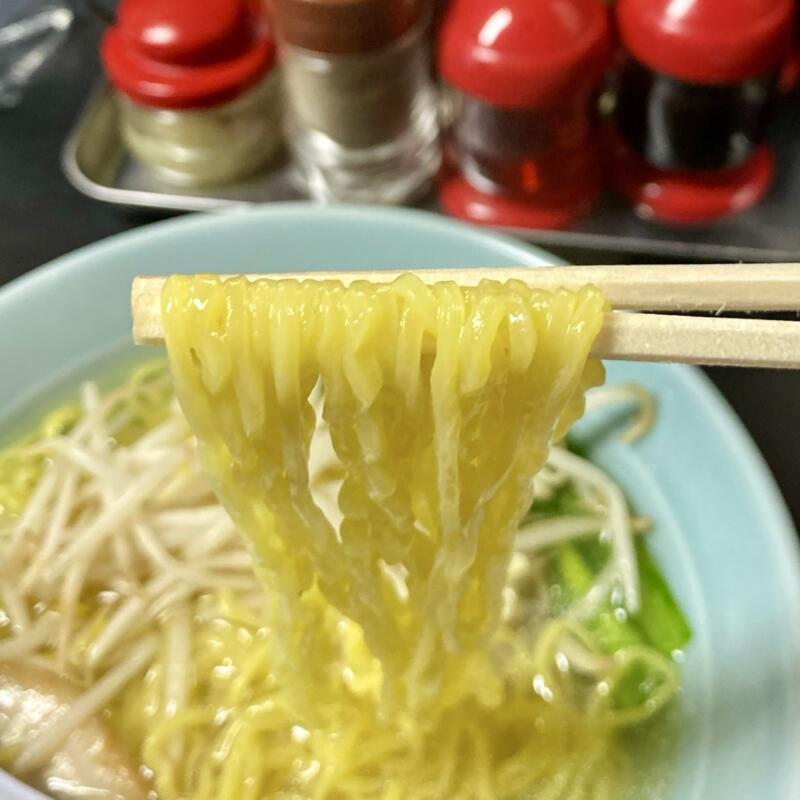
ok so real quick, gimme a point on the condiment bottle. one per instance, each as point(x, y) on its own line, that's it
point(693, 99)
point(198, 94)
point(361, 107)
point(525, 77)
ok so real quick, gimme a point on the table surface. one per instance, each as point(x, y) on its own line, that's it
point(42, 217)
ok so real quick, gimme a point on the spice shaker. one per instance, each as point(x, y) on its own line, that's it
point(523, 80)
point(693, 96)
point(361, 106)
point(198, 93)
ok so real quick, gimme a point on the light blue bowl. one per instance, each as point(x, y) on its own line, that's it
point(721, 532)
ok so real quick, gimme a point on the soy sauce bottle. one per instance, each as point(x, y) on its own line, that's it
point(694, 93)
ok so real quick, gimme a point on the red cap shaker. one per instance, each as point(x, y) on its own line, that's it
point(524, 78)
point(198, 96)
point(693, 97)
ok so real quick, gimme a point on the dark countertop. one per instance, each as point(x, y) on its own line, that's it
point(42, 216)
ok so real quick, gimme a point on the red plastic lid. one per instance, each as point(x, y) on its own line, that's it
point(707, 41)
point(689, 197)
point(461, 199)
point(518, 53)
point(186, 53)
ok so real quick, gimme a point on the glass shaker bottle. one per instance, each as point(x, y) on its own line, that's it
point(198, 94)
point(362, 117)
point(523, 80)
point(693, 96)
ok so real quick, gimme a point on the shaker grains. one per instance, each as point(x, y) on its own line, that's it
point(362, 109)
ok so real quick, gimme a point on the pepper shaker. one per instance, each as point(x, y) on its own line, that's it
point(362, 117)
point(523, 80)
point(693, 97)
point(198, 95)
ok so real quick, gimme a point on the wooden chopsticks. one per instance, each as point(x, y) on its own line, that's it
point(626, 336)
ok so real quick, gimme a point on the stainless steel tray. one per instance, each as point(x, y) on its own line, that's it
point(96, 163)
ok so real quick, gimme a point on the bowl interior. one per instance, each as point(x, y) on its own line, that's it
point(721, 530)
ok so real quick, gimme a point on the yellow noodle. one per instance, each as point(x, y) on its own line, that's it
point(432, 480)
point(441, 403)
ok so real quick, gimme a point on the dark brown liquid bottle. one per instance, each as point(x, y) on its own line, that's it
point(694, 93)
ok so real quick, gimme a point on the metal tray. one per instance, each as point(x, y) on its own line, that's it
point(96, 163)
